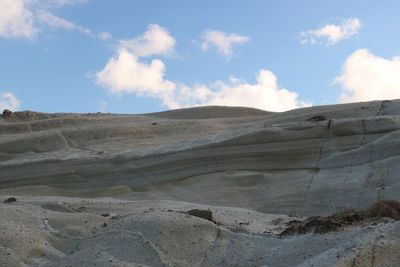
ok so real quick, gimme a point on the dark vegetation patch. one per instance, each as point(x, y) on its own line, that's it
point(379, 211)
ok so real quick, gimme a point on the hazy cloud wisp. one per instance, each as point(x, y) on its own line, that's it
point(57, 22)
point(222, 41)
point(60, 3)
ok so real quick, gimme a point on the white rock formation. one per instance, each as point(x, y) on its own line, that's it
point(112, 190)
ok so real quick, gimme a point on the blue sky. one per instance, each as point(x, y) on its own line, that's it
point(144, 56)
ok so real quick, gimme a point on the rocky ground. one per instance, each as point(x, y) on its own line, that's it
point(208, 186)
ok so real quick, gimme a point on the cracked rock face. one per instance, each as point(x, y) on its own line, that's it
point(254, 171)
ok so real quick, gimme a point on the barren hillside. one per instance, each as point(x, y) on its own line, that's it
point(116, 190)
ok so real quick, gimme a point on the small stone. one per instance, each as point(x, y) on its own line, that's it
point(10, 200)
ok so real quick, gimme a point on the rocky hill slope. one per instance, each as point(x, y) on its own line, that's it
point(116, 190)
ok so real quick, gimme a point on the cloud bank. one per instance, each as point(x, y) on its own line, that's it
point(332, 34)
point(366, 76)
point(127, 72)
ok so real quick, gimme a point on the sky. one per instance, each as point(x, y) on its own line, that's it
point(141, 56)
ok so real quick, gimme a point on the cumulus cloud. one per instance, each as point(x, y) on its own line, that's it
point(223, 42)
point(124, 73)
point(9, 101)
point(22, 18)
point(366, 76)
point(331, 33)
point(127, 72)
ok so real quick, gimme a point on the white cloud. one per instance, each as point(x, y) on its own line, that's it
point(57, 22)
point(22, 18)
point(126, 73)
point(264, 94)
point(367, 77)
point(155, 41)
point(331, 33)
point(9, 101)
point(223, 42)
point(16, 20)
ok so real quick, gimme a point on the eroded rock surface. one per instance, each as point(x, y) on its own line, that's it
point(254, 171)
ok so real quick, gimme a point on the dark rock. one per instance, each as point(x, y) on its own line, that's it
point(204, 214)
point(317, 118)
point(7, 113)
point(10, 200)
point(380, 211)
point(383, 208)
